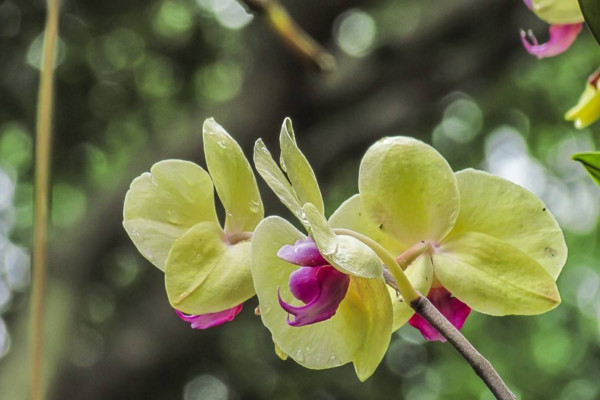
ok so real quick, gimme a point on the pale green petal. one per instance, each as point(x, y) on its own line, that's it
point(352, 215)
point(493, 277)
point(409, 190)
point(233, 179)
point(420, 275)
point(361, 325)
point(369, 299)
point(346, 253)
point(273, 176)
point(204, 274)
point(506, 211)
point(299, 171)
point(558, 11)
point(164, 203)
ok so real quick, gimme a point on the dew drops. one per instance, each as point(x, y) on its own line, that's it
point(551, 252)
point(221, 144)
point(254, 207)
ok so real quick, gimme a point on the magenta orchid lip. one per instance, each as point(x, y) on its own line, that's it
point(205, 321)
point(561, 38)
point(316, 283)
point(452, 308)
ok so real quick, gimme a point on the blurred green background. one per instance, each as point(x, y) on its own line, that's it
point(135, 80)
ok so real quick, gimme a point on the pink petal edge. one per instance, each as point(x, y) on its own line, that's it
point(327, 288)
point(205, 321)
point(452, 308)
point(561, 38)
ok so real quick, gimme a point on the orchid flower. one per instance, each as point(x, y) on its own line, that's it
point(587, 110)
point(565, 19)
point(495, 247)
point(322, 296)
point(170, 216)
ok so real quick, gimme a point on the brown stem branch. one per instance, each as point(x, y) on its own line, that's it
point(288, 30)
point(42, 189)
point(482, 367)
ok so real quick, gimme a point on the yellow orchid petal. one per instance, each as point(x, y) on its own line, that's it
point(274, 177)
point(557, 11)
point(204, 274)
point(352, 215)
point(298, 169)
point(346, 253)
point(587, 109)
point(493, 277)
point(233, 179)
point(360, 330)
point(409, 190)
point(506, 211)
point(161, 205)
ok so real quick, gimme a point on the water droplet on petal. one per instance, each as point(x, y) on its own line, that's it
point(551, 252)
point(221, 144)
point(254, 207)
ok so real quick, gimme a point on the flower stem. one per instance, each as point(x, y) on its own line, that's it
point(397, 279)
point(403, 285)
point(42, 179)
point(482, 367)
point(289, 31)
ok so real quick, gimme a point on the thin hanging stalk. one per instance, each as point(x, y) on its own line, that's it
point(42, 189)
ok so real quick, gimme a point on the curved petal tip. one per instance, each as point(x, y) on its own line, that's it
point(205, 321)
point(324, 287)
point(561, 38)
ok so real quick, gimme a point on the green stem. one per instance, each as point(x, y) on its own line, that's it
point(396, 268)
point(42, 179)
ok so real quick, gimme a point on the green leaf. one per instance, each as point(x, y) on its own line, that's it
point(204, 274)
point(408, 190)
point(493, 277)
point(346, 253)
point(298, 170)
point(506, 211)
point(273, 176)
point(233, 179)
point(591, 13)
point(161, 205)
point(360, 330)
point(591, 162)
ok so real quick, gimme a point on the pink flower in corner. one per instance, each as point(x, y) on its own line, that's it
point(205, 321)
point(565, 21)
point(561, 38)
point(452, 308)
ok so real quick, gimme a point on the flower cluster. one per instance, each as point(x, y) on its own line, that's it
point(466, 240)
point(566, 20)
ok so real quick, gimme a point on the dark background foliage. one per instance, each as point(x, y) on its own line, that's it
point(135, 81)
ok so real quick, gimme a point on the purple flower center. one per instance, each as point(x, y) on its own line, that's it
point(205, 321)
point(452, 308)
point(316, 283)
